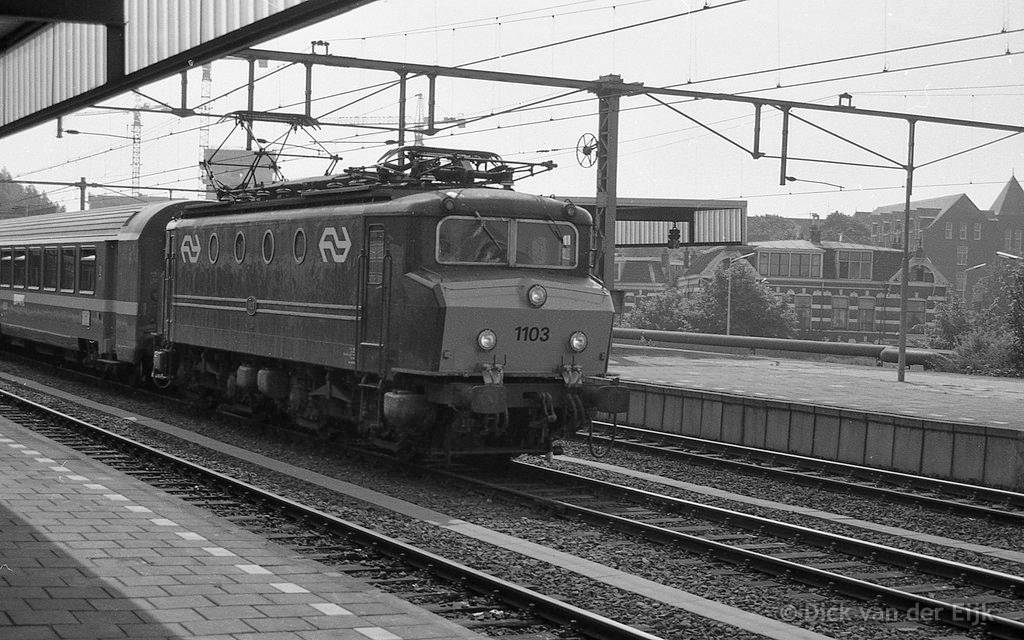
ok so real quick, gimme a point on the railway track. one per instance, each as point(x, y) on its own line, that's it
point(954, 593)
point(934, 493)
point(474, 599)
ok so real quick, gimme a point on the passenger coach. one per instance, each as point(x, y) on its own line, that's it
point(85, 284)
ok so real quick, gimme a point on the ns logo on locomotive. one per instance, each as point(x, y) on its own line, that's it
point(418, 303)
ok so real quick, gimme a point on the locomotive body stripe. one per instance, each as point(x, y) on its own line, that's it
point(279, 312)
point(282, 303)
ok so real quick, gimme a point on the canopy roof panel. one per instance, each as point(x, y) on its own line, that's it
point(56, 57)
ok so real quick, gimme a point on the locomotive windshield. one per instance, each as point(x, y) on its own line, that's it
point(502, 241)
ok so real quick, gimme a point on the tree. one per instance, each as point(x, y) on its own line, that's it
point(22, 200)
point(952, 321)
point(665, 311)
point(1000, 298)
point(839, 225)
point(771, 227)
point(756, 311)
point(990, 339)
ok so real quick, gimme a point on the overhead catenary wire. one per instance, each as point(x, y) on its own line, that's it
point(706, 80)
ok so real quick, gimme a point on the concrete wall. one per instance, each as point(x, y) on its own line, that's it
point(992, 456)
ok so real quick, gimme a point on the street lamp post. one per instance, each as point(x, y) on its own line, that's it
point(828, 184)
point(966, 285)
point(728, 293)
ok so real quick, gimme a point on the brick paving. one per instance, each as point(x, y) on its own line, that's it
point(88, 552)
point(930, 395)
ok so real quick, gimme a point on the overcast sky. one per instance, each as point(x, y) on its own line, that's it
point(662, 154)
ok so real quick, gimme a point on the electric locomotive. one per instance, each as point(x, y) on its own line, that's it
point(419, 302)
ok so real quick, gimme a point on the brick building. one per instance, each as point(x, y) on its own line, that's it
point(838, 290)
point(953, 233)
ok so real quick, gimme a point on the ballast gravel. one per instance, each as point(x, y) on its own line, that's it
point(800, 605)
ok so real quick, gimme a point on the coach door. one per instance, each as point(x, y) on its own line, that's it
point(375, 265)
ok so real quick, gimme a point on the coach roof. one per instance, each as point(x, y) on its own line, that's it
point(96, 225)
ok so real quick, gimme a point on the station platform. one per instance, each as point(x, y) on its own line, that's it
point(929, 395)
point(950, 426)
point(89, 552)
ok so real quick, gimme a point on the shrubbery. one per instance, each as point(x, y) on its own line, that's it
point(756, 311)
point(987, 338)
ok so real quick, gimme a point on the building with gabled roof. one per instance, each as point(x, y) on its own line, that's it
point(838, 290)
point(953, 233)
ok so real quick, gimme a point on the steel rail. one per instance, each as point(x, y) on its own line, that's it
point(549, 608)
point(823, 539)
point(794, 461)
point(949, 613)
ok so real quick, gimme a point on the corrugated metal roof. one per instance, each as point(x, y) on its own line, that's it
point(62, 61)
point(77, 226)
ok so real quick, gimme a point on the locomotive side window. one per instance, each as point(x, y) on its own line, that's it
point(541, 243)
point(239, 247)
point(67, 269)
point(50, 258)
point(35, 267)
point(87, 270)
point(214, 252)
point(466, 240)
point(19, 268)
point(299, 246)
point(5, 268)
point(268, 246)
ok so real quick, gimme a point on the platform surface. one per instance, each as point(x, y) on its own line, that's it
point(930, 395)
point(89, 552)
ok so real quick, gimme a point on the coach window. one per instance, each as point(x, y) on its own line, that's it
point(50, 258)
point(299, 246)
point(19, 268)
point(87, 270)
point(214, 253)
point(268, 246)
point(35, 267)
point(67, 269)
point(239, 247)
point(5, 268)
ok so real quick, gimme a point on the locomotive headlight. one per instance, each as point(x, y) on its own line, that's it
point(486, 340)
point(537, 295)
point(578, 341)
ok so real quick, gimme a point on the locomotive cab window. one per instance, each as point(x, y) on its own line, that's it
point(466, 240)
point(499, 241)
point(542, 243)
point(51, 257)
point(5, 268)
point(87, 270)
point(67, 269)
point(18, 268)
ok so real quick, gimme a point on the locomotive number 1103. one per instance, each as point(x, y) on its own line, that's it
point(532, 334)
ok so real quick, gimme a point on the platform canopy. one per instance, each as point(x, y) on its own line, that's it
point(649, 222)
point(57, 56)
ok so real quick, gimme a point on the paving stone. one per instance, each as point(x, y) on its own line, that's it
point(209, 627)
point(91, 569)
